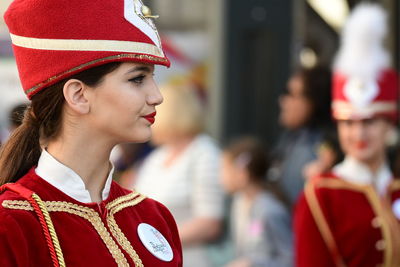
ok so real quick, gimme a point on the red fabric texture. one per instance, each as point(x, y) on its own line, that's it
point(17, 188)
point(27, 194)
point(22, 242)
point(69, 19)
point(388, 84)
point(349, 215)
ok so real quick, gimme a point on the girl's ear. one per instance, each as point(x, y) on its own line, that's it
point(74, 93)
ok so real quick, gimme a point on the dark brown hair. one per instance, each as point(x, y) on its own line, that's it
point(257, 165)
point(42, 121)
point(257, 159)
point(317, 89)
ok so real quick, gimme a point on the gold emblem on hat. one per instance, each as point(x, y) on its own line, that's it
point(147, 13)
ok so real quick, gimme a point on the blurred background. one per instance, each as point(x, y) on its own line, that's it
point(258, 68)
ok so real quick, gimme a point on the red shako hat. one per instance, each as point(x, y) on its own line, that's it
point(53, 40)
point(364, 86)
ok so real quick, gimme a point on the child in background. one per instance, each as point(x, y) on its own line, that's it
point(260, 223)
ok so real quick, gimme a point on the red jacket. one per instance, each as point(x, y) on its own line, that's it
point(93, 234)
point(338, 223)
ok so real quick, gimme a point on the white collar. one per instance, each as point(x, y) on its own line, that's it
point(354, 171)
point(66, 180)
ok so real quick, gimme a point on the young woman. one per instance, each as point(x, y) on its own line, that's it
point(305, 116)
point(350, 217)
point(88, 70)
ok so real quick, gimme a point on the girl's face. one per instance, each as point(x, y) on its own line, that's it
point(123, 106)
point(365, 139)
point(234, 178)
point(295, 107)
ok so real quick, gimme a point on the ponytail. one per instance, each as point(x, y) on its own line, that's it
point(22, 150)
point(42, 120)
point(42, 123)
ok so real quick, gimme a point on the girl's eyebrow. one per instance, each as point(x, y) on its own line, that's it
point(140, 68)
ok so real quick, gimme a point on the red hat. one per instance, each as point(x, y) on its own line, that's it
point(354, 98)
point(363, 84)
point(53, 40)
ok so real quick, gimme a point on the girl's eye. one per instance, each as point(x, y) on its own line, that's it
point(138, 79)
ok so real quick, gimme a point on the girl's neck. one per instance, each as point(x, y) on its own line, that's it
point(375, 163)
point(88, 157)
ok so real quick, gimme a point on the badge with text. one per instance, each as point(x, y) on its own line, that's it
point(155, 242)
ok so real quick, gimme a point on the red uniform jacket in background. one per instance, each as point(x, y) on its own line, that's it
point(94, 234)
point(338, 223)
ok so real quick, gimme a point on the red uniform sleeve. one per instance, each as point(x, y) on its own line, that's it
point(310, 248)
point(174, 232)
point(13, 246)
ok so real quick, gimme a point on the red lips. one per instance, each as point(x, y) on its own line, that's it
point(151, 117)
point(362, 145)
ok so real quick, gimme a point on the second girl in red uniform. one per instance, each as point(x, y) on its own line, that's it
point(350, 217)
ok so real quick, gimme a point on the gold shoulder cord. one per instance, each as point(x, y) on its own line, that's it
point(52, 231)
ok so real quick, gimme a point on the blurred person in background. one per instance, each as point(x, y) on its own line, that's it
point(305, 115)
point(16, 116)
point(127, 159)
point(329, 154)
point(183, 172)
point(260, 223)
point(59, 205)
point(350, 217)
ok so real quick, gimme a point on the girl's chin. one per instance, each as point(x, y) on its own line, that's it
point(363, 157)
point(143, 137)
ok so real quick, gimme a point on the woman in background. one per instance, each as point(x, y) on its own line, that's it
point(182, 173)
point(305, 116)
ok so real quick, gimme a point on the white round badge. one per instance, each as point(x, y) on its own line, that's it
point(396, 208)
point(155, 242)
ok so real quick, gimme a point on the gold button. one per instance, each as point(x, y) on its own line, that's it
point(380, 245)
point(376, 222)
point(147, 12)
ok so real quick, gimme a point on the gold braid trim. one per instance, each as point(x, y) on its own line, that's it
point(385, 227)
point(394, 186)
point(322, 224)
point(119, 200)
point(116, 206)
point(17, 205)
point(92, 216)
point(382, 209)
point(87, 213)
point(126, 204)
point(52, 231)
